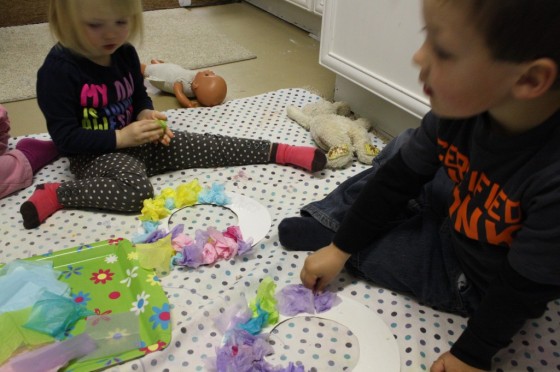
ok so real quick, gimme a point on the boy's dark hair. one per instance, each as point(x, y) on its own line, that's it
point(520, 30)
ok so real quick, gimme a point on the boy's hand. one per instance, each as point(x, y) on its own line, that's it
point(321, 267)
point(447, 362)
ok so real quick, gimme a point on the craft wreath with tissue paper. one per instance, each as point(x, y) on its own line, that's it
point(313, 331)
point(158, 245)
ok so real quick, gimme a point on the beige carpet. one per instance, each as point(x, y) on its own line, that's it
point(173, 35)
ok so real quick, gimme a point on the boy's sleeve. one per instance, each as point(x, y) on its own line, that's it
point(509, 302)
point(382, 198)
point(387, 193)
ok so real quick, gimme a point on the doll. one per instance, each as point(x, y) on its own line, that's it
point(205, 86)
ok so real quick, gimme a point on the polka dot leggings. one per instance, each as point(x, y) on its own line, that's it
point(120, 181)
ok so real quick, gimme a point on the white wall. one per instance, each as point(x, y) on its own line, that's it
point(388, 119)
point(371, 43)
point(308, 20)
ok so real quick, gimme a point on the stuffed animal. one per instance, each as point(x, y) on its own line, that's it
point(205, 86)
point(334, 130)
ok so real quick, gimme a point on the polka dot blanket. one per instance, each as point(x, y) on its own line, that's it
point(199, 296)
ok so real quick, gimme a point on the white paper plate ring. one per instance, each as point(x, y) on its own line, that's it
point(378, 349)
point(253, 218)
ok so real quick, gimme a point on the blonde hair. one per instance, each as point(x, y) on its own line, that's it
point(66, 25)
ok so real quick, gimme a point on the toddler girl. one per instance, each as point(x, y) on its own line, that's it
point(90, 89)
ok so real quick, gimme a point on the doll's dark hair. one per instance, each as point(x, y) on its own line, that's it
point(519, 30)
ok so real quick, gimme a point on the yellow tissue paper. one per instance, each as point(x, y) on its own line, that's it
point(15, 336)
point(156, 255)
point(154, 210)
point(187, 194)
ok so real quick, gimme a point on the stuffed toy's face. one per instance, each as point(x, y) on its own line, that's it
point(209, 89)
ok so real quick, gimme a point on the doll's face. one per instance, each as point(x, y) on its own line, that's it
point(210, 89)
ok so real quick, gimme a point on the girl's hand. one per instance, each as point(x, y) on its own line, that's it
point(165, 138)
point(138, 133)
point(147, 129)
point(151, 115)
point(321, 267)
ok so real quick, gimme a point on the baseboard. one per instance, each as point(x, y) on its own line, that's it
point(291, 13)
point(195, 3)
point(388, 119)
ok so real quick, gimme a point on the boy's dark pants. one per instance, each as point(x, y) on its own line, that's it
point(416, 256)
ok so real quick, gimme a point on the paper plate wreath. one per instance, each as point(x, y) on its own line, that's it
point(160, 247)
point(362, 341)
